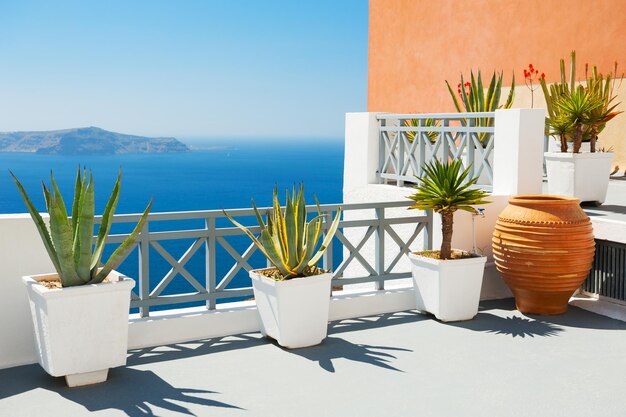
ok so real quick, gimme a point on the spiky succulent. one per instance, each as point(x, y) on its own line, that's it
point(579, 112)
point(287, 240)
point(473, 98)
point(69, 240)
point(444, 188)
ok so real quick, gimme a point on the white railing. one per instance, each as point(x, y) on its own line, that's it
point(408, 141)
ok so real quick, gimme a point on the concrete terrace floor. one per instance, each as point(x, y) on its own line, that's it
point(614, 208)
point(502, 363)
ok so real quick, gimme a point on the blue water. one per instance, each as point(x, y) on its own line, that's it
point(223, 177)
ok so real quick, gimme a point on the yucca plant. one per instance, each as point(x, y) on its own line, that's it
point(575, 112)
point(69, 240)
point(445, 188)
point(472, 98)
point(287, 240)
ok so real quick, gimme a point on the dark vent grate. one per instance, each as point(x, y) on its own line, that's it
point(608, 273)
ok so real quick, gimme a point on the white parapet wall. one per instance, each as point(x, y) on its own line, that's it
point(24, 254)
point(517, 165)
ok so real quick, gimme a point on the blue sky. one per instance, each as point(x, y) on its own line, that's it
point(237, 68)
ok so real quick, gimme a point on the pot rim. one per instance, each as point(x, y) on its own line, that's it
point(543, 199)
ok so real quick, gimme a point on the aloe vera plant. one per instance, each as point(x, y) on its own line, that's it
point(473, 98)
point(287, 240)
point(69, 240)
point(430, 134)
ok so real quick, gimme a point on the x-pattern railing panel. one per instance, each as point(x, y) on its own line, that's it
point(406, 147)
point(220, 272)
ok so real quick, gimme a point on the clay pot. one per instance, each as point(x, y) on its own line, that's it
point(543, 246)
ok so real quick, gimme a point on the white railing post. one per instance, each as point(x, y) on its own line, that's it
point(518, 151)
point(361, 158)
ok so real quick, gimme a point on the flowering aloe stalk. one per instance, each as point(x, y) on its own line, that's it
point(288, 241)
point(69, 240)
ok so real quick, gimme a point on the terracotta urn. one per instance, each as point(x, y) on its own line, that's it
point(543, 246)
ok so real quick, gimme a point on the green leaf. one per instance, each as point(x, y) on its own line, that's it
point(105, 224)
point(119, 254)
point(85, 232)
point(329, 237)
point(78, 186)
point(62, 238)
point(41, 225)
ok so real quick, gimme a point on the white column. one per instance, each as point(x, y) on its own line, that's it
point(361, 151)
point(518, 151)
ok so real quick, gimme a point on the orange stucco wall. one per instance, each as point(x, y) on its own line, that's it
point(414, 45)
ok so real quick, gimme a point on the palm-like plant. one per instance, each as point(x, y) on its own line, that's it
point(576, 113)
point(444, 188)
point(288, 241)
point(69, 240)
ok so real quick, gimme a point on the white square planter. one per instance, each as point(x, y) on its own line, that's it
point(449, 289)
point(581, 175)
point(81, 331)
point(294, 311)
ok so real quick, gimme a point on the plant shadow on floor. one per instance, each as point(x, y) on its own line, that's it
point(376, 321)
point(574, 317)
point(335, 348)
point(134, 392)
point(511, 325)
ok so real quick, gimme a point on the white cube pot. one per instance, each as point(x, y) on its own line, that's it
point(448, 289)
point(294, 311)
point(80, 331)
point(581, 175)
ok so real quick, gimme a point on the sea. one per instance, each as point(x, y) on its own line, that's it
point(216, 174)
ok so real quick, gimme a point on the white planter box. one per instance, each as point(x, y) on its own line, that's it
point(449, 289)
point(81, 331)
point(581, 175)
point(295, 311)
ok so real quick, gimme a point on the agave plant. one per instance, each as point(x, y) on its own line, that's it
point(287, 240)
point(473, 98)
point(69, 240)
point(444, 188)
point(579, 112)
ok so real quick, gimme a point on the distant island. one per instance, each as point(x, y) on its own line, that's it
point(87, 140)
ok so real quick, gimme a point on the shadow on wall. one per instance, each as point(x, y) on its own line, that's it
point(192, 349)
point(132, 391)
